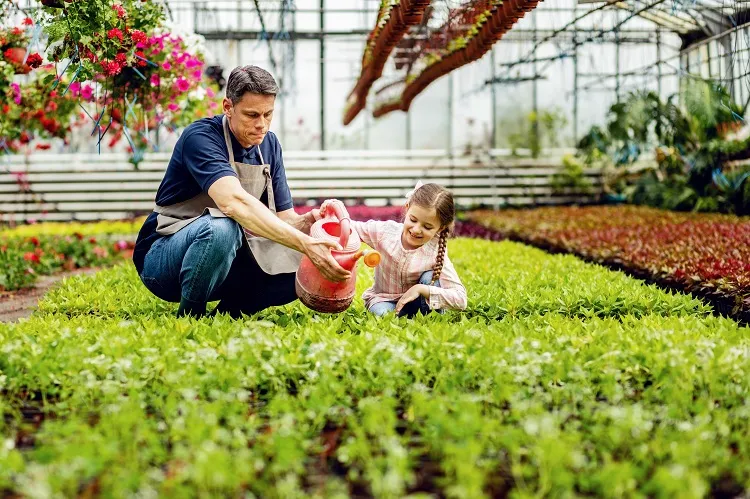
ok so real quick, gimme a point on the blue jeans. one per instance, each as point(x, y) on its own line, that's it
point(411, 309)
point(207, 261)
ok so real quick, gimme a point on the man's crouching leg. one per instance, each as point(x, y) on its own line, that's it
point(188, 266)
point(207, 262)
point(249, 290)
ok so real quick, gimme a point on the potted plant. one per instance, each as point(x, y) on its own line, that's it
point(13, 44)
point(100, 36)
point(35, 111)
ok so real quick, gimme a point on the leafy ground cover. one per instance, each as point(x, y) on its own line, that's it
point(561, 378)
point(705, 254)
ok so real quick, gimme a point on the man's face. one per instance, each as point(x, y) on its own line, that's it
point(250, 118)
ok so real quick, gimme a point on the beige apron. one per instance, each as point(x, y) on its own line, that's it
point(272, 257)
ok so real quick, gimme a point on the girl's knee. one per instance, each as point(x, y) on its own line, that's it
point(383, 308)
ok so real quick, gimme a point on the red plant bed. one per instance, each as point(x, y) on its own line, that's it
point(708, 255)
point(462, 229)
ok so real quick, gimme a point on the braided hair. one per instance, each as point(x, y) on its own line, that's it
point(440, 198)
point(439, 260)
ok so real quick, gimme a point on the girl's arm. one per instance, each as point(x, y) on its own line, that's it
point(369, 232)
point(452, 293)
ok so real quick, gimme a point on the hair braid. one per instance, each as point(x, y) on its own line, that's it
point(442, 244)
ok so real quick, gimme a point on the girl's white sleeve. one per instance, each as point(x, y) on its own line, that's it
point(451, 294)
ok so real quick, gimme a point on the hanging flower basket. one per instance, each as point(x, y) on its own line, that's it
point(13, 43)
point(100, 36)
point(16, 56)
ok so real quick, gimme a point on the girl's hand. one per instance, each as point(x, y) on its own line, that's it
point(414, 292)
point(328, 205)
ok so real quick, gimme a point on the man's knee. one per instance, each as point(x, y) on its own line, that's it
point(225, 232)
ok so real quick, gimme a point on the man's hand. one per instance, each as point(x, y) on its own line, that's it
point(302, 223)
point(319, 253)
point(414, 292)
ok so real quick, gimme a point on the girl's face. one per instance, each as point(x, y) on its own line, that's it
point(420, 226)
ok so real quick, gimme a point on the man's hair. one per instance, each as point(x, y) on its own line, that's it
point(250, 79)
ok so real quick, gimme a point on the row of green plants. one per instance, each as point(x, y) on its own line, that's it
point(704, 253)
point(699, 159)
point(30, 251)
point(560, 379)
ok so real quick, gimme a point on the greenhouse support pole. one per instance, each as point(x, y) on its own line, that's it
point(658, 61)
point(493, 94)
point(617, 60)
point(408, 130)
point(451, 76)
point(534, 96)
point(366, 131)
point(575, 76)
point(239, 42)
point(322, 78)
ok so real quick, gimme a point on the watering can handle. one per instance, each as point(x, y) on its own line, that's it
point(339, 210)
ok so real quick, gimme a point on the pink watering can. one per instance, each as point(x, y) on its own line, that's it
point(315, 291)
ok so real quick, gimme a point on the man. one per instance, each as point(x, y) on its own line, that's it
point(224, 227)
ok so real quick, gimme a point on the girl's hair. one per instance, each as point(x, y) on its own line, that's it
point(440, 198)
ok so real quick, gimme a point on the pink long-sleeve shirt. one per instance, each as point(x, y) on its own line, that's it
point(401, 268)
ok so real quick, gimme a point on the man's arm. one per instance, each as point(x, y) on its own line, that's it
point(237, 204)
point(302, 223)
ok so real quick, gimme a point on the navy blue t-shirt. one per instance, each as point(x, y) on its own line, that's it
point(199, 159)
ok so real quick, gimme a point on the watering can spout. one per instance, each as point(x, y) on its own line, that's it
point(347, 261)
point(371, 257)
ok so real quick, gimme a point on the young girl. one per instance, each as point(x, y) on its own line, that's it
point(415, 273)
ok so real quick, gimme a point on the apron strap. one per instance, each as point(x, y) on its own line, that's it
point(269, 181)
point(228, 140)
point(269, 188)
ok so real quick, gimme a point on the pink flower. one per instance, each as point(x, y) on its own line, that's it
point(155, 80)
point(16, 92)
point(167, 66)
point(210, 92)
point(120, 10)
point(182, 84)
point(173, 107)
point(87, 93)
point(75, 88)
point(197, 74)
